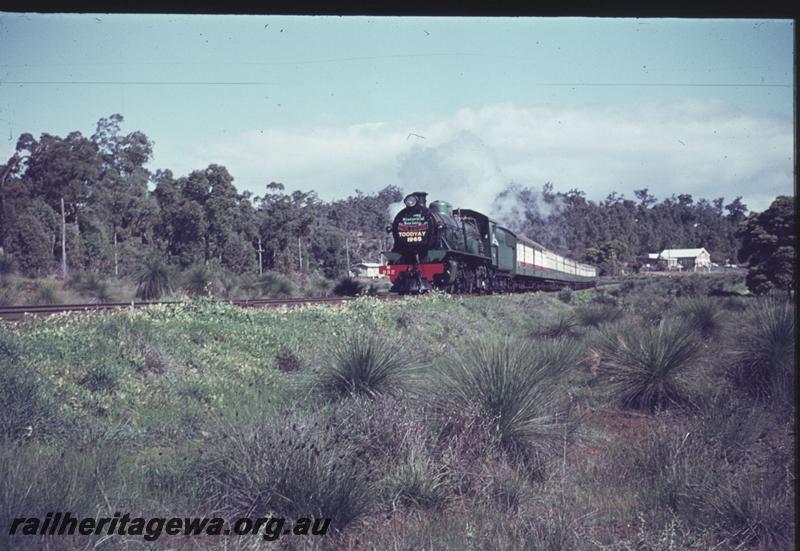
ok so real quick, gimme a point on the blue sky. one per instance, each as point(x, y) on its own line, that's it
point(458, 106)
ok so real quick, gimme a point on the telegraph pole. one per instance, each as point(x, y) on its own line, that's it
point(116, 257)
point(260, 264)
point(347, 252)
point(63, 241)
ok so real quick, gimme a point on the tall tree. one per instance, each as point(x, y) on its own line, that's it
point(282, 220)
point(61, 169)
point(768, 242)
point(124, 210)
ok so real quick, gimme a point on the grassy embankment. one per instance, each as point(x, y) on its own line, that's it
point(167, 284)
point(649, 416)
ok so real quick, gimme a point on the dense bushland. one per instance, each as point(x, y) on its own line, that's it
point(88, 204)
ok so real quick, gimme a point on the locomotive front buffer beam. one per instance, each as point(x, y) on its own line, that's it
point(412, 278)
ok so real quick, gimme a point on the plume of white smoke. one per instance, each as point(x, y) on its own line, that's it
point(461, 171)
point(509, 209)
point(518, 206)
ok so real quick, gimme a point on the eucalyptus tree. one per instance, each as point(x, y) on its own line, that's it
point(125, 211)
point(64, 173)
point(768, 246)
point(284, 223)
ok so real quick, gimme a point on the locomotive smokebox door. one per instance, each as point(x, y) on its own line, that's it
point(414, 227)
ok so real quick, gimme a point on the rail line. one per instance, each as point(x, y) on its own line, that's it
point(16, 313)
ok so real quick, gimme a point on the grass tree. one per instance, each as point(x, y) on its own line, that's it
point(154, 279)
point(202, 279)
point(515, 387)
point(703, 314)
point(762, 350)
point(93, 286)
point(564, 325)
point(364, 363)
point(643, 366)
point(293, 465)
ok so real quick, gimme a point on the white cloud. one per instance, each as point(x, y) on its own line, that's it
point(707, 149)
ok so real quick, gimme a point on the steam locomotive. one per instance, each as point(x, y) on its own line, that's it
point(464, 251)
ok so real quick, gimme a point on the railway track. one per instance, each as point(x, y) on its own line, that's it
point(16, 313)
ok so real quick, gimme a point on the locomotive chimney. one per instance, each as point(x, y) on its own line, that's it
point(421, 198)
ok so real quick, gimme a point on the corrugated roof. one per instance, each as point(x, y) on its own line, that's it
point(682, 253)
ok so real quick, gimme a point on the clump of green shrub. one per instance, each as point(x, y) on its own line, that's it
point(202, 279)
point(151, 357)
point(761, 351)
point(8, 265)
point(704, 315)
point(671, 536)
point(564, 325)
point(508, 487)
point(381, 430)
point(274, 285)
point(597, 314)
point(91, 285)
point(753, 509)
point(8, 291)
point(39, 479)
point(291, 465)
point(642, 367)
point(515, 387)
point(102, 377)
point(287, 361)
point(26, 407)
point(479, 526)
point(378, 287)
point(46, 293)
point(348, 287)
point(610, 298)
point(735, 304)
point(320, 286)
point(154, 278)
point(684, 471)
point(565, 295)
point(416, 481)
point(364, 363)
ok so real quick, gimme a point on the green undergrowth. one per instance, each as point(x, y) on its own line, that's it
point(434, 422)
point(207, 354)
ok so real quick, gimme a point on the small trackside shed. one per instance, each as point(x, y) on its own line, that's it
point(367, 269)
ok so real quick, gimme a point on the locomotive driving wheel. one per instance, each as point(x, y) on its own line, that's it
point(469, 281)
point(465, 280)
point(482, 281)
